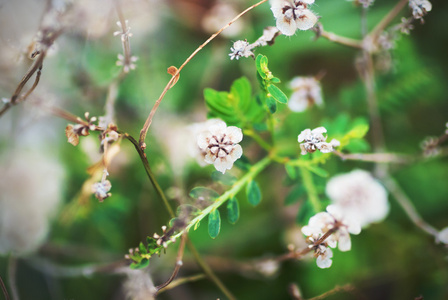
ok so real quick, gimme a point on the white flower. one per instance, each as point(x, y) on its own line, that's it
point(218, 16)
point(360, 196)
point(312, 140)
point(220, 144)
point(443, 235)
point(324, 261)
point(293, 15)
point(101, 190)
point(241, 49)
point(322, 253)
point(364, 3)
point(420, 8)
point(268, 37)
point(306, 92)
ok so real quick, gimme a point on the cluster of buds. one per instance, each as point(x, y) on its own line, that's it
point(125, 60)
point(420, 8)
point(244, 49)
point(73, 132)
point(312, 140)
point(162, 240)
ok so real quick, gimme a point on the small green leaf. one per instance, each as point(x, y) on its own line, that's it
point(203, 193)
point(261, 62)
point(291, 171)
point(196, 226)
point(272, 104)
point(275, 80)
point(316, 170)
point(277, 94)
point(142, 248)
point(253, 193)
point(214, 223)
point(233, 210)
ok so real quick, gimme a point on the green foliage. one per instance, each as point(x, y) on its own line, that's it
point(236, 107)
point(233, 210)
point(214, 223)
point(253, 193)
point(140, 257)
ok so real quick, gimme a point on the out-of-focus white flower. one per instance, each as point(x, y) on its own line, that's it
point(241, 49)
point(101, 189)
point(420, 8)
point(220, 144)
point(306, 92)
point(267, 268)
point(218, 16)
point(322, 252)
point(443, 236)
point(324, 261)
point(364, 3)
point(312, 140)
point(138, 285)
point(268, 37)
point(360, 196)
point(31, 188)
point(293, 15)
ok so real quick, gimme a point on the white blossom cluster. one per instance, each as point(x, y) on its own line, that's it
point(244, 48)
point(420, 8)
point(332, 221)
point(219, 144)
point(306, 92)
point(293, 15)
point(312, 140)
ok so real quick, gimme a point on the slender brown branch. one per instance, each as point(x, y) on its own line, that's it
point(181, 281)
point(387, 19)
point(179, 264)
point(5, 291)
point(338, 39)
point(376, 157)
point(337, 289)
point(407, 206)
point(148, 121)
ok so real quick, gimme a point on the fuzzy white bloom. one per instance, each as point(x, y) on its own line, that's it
point(293, 15)
point(218, 16)
point(324, 261)
point(360, 196)
point(268, 37)
point(420, 8)
point(312, 140)
point(194, 130)
point(364, 3)
point(31, 188)
point(306, 92)
point(220, 144)
point(101, 190)
point(322, 252)
point(443, 236)
point(241, 49)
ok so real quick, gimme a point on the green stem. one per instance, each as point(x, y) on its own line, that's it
point(263, 144)
point(310, 188)
point(236, 188)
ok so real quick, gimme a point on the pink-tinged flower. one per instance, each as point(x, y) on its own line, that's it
point(420, 8)
point(360, 196)
point(306, 93)
point(312, 140)
point(293, 15)
point(220, 144)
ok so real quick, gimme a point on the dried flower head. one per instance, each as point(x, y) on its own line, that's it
point(241, 49)
point(360, 196)
point(312, 140)
point(220, 144)
point(420, 8)
point(306, 93)
point(293, 15)
point(73, 132)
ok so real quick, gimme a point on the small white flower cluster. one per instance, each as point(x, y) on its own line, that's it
point(312, 140)
point(126, 60)
point(306, 92)
point(244, 49)
point(364, 3)
point(293, 15)
point(420, 8)
point(101, 189)
point(337, 227)
point(360, 196)
point(73, 132)
point(219, 144)
point(443, 236)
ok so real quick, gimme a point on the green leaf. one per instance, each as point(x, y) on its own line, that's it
point(140, 265)
point(277, 94)
point(261, 62)
point(203, 193)
point(291, 171)
point(233, 210)
point(214, 223)
point(316, 170)
point(272, 104)
point(253, 193)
